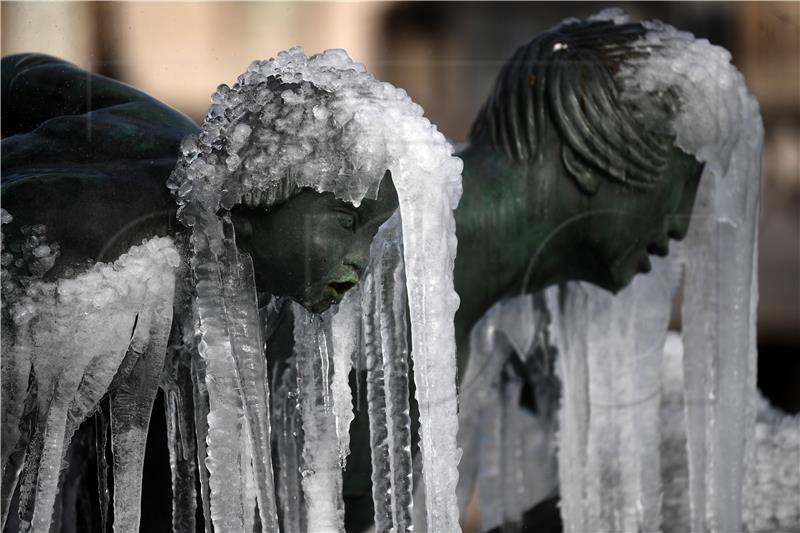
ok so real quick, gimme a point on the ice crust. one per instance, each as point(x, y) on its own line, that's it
point(333, 127)
point(75, 335)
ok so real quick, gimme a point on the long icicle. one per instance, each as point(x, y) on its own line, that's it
point(322, 474)
point(345, 335)
point(179, 412)
point(376, 402)
point(429, 247)
point(16, 370)
point(719, 338)
point(131, 406)
point(395, 373)
point(288, 436)
point(244, 328)
point(224, 420)
point(200, 396)
point(101, 443)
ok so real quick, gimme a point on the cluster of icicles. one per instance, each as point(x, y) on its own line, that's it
point(234, 421)
point(67, 344)
point(106, 331)
point(312, 408)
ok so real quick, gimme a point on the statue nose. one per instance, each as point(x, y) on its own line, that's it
point(358, 260)
point(358, 255)
point(678, 226)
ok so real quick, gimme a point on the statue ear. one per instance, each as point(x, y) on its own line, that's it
point(586, 178)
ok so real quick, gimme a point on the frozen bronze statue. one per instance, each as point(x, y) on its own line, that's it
point(601, 140)
point(141, 252)
point(303, 240)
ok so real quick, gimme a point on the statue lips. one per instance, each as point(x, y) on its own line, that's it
point(334, 291)
point(340, 287)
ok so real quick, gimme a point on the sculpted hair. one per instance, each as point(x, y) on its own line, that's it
point(565, 78)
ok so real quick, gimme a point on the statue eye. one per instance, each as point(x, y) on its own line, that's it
point(347, 220)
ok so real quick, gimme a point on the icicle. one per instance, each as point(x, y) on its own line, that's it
point(224, 416)
point(232, 350)
point(610, 362)
point(772, 479)
point(250, 499)
point(513, 447)
point(386, 351)
point(674, 463)
point(94, 347)
point(81, 335)
point(322, 475)
point(478, 394)
point(719, 328)
point(574, 413)
point(131, 406)
point(376, 402)
point(345, 327)
point(200, 397)
point(719, 350)
point(101, 443)
point(16, 369)
point(394, 347)
point(179, 412)
point(490, 482)
point(289, 436)
point(247, 346)
point(429, 245)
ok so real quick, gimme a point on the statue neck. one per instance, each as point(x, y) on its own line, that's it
point(502, 222)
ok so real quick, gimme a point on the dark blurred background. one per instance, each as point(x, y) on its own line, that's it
point(446, 56)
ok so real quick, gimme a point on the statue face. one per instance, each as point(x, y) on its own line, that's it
point(313, 247)
point(626, 226)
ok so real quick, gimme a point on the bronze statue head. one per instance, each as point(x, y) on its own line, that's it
point(283, 157)
point(604, 182)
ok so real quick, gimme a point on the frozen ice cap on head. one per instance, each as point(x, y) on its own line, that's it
point(714, 110)
point(295, 121)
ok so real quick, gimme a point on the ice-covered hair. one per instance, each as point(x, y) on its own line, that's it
point(288, 123)
point(566, 78)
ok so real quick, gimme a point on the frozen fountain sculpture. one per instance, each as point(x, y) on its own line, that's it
point(602, 128)
point(294, 134)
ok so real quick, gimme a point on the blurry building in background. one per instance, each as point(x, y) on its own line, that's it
point(446, 55)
